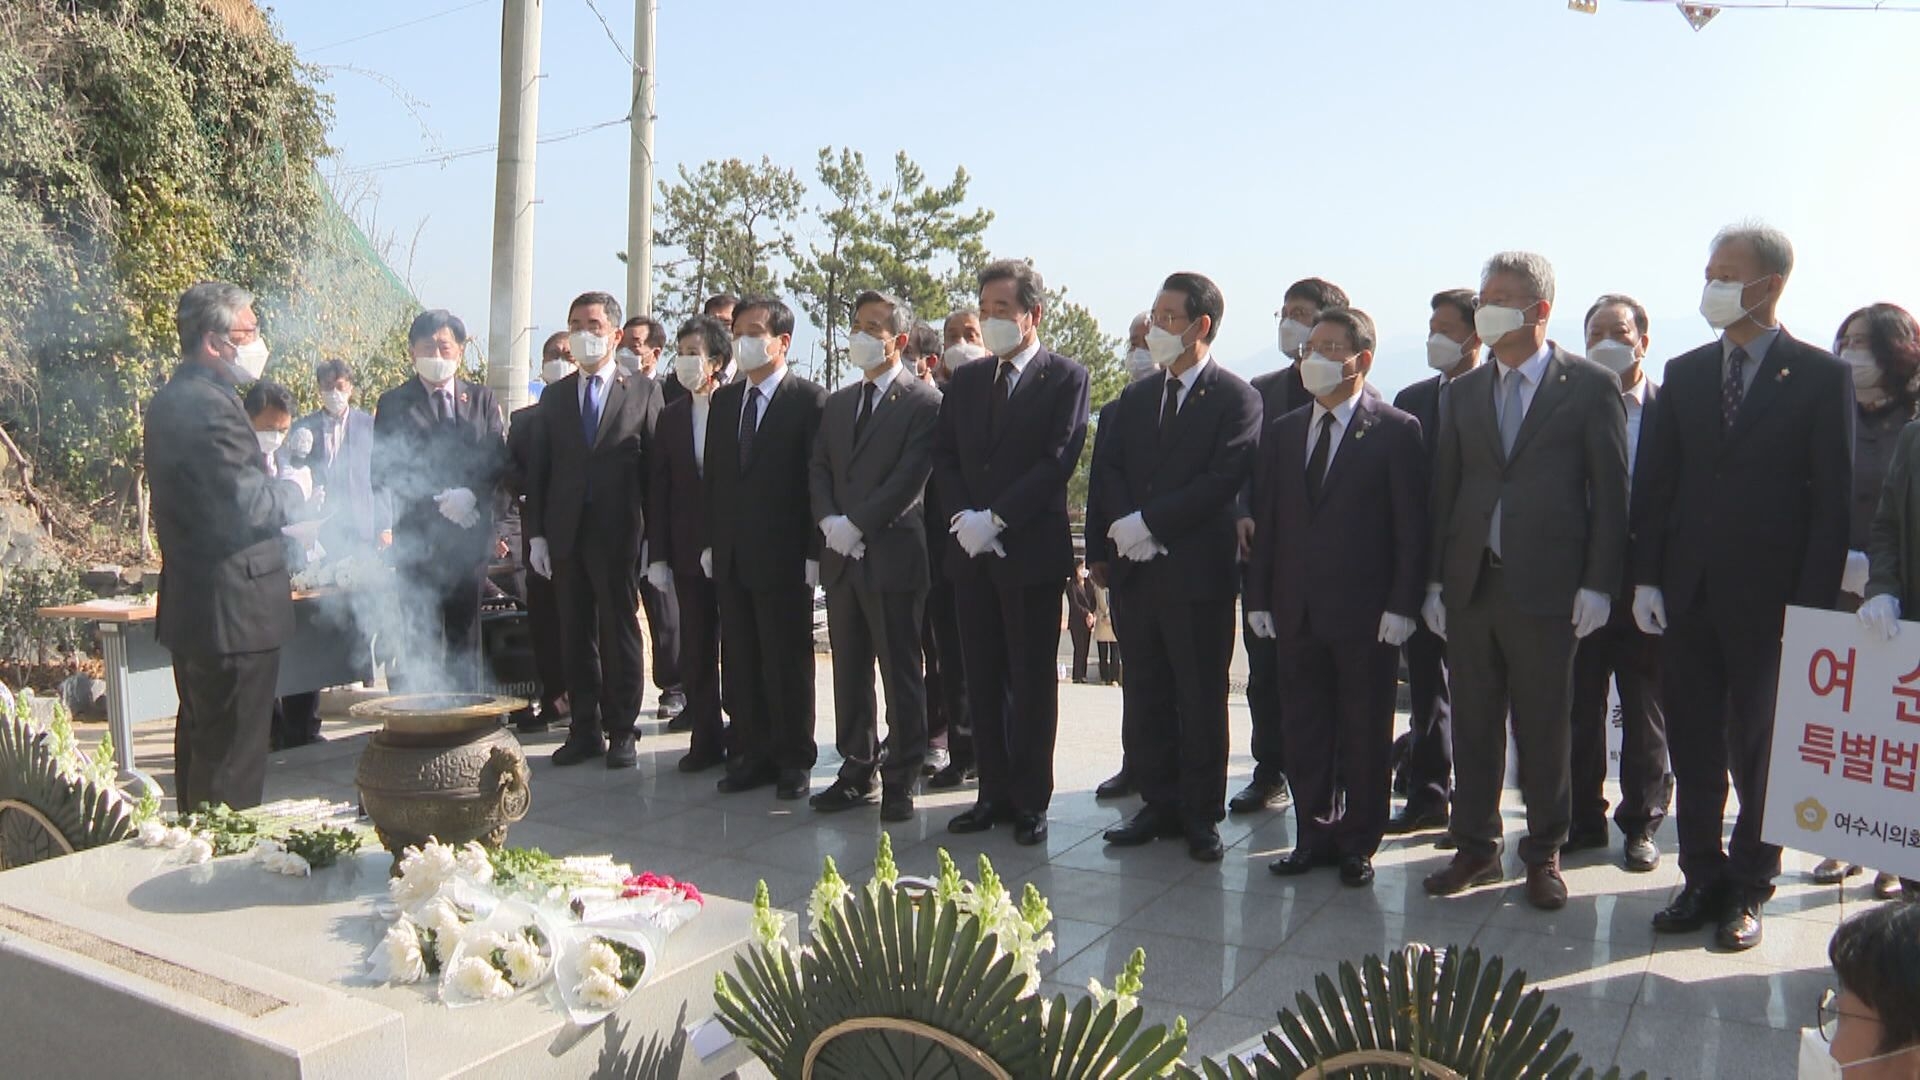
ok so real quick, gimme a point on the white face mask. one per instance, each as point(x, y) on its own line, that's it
point(1003, 336)
point(961, 352)
point(1866, 372)
point(751, 353)
point(587, 347)
point(1615, 356)
point(1493, 322)
point(1443, 353)
point(691, 371)
point(1140, 364)
point(436, 369)
point(1320, 375)
point(554, 370)
point(249, 360)
point(866, 352)
point(335, 401)
point(1164, 346)
point(1293, 335)
point(270, 440)
point(1720, 303)
point(628, 360)
point(1817, 1063)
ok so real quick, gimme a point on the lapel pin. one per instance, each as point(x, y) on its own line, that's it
point(1563, 377)
point(1784, 372)
point(463, 397)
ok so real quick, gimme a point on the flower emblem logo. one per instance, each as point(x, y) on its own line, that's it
point(1810, 815)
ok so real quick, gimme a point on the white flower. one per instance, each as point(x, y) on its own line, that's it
point(473, 864)
point(443, 919)
point(176, 837)
point(196, 850)
point(423, 870)
point(152, 834)
point(266, 848)
point(599, 958)
point(399, 953)
point(473, 977)
point(525, 963)
point(291, 864)
point(601, 991)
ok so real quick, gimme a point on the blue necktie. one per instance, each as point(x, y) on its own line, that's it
point(749, 425)
point(590, 410)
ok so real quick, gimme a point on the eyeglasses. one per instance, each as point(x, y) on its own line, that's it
point(1828, 1014)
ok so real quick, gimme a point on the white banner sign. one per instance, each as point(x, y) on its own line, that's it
point(1846, 743)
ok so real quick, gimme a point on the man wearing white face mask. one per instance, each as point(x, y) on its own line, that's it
point(1740, 508)
point(1529, 540)
point(439, 452)
point(337, 445)
point(949, 726)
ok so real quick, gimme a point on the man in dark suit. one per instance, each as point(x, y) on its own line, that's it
point(1011, 430)
point(949, 719)
point(225, 603)
point(677, 530)
point(585, 519)
point(1280, 393)
point(765, 551)
point(1452, 350)
point(1179, 449)
point(543, 607)
point(439, 452)
point(1336, 579)
point(870, 465)
point(1617, 340)
point(1529, 537)
point(1740, 508)
point(642, 341)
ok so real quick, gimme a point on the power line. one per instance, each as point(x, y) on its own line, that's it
point(475, 151)
point(608, 27)
point(398, 26)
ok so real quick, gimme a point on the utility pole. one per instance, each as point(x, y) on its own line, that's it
point(640, 171)
point(510, 311)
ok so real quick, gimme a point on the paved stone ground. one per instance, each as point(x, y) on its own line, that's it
point(1227, 944)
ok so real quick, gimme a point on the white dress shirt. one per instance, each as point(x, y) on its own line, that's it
point(605, 375)
point(1186, 381)
point(1019, 360)
point(766, 394)
point(1342, 417)
point(702, 405)
point(1532, 370)
point(1636, 402)
point(881, 384)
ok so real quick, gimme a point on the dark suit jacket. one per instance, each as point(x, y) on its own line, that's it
point(1422, 402)
point(671, 390)
point(1756, 517)
point(224, 586)
point(416, 457)
point(1020, 473)
point(1097, 521)
point(1184, 484)
point(1623, 597)
point(1336, 566)
point(877, 482)
point(567, 471)
point(1563, 494)
point(676, 497)
point(758, 513)
point(353, 515)
point(1280, 392)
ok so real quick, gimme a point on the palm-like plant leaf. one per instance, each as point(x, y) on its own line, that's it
point(44, 813)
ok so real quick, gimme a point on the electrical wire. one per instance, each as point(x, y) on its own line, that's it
point(398, 26)
point(475, 151)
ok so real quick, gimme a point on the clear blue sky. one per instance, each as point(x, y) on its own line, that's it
point(1389, 145)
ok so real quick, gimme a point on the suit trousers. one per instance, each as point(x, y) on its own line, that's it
point(1082, 636)
point(1338, 698)
point(1010, 636)
point(220, 736)
point(296, 720)
point(1173, 715)
point(1263, 704)
point(1509, 662)
point(700, 663)
point(1718, 689)
point(1430, 725)
point(1632, 659)
point(601, 634)
point(663, 630)
point(865, 626)
point(949, 727)
point(543, 626)
point(767, 638)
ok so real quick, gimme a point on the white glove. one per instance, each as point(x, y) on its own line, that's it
point(1130, 534)
point(706, 562)
point(660, 576)
point(976, 532)
point(1434, 613)
point(1649, 610)
point(1854, 578)
point(841, 533)
point(813, 573)
point(1395, 629)
point(302, 442)
point(1590, 611)
point(538, 559)
point(302, 478)
point(1261, 623)
point(1881, 615)
point(859, 550)
point(1145, 550)
point(458, 506)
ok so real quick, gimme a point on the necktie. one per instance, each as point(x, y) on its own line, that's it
point(443, 404)
point(749, 424)
point(1511, 410)
point(590, 410)
point(1735, 389)
point(1317, 461)
point(866, 412)
point(1440, 408)
point(1169, 408)
point(997, 402)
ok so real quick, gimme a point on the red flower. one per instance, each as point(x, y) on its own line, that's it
point(650, 881)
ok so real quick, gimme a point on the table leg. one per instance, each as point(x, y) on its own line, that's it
point(113, 648)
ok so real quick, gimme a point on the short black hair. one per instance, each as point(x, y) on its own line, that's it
point(1460, 300)
point(713, 334)
point(1876, 954)
point(1610, 299)
point(719, 300)
point(606, 301)
point(1028, 289)
point(1358, 324)
point(552, 344)
point(656, 330)
point(925, 339)
point(1203, 298)
point(327, 371)
point(265, 395)
point(779, 315)
point(1319, 292)
point(428, 323)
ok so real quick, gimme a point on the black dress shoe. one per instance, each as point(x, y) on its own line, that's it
point(936, 759)
point(896, 804)
point(621, 753)
point(672, 704)
point(1203, 843)
point(1642, 854)
point(695, 761)
point(1261, 795)
point(841, 796)
point(980, 818)
point(1294, 863)
point(1029, 829)
point(1356, 871)
point(1150, 824)
point(681, 723)
point(954, 775)
point(1117, 786)
point(738, 780)
point(1412, 819)
point(574, 751)
point(1695, 907)
point(793, 784)
point(527, 722)
point(1585, 840)
point(1740, 928)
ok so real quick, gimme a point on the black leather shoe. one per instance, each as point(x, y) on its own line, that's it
point(979, 819)
point(936, 760)
point(694, 762)
point(574, 751)
point(739, 780)
point(1412, 819)
point(1695, 907)
point(1117, 786)
point(1203, 843)
point(672, 704)
point(1740, 929)
point(681, 723)
point(954, 775)
point(1261, 795)
point(841, 796)
point(1150, 824)
point(1642, 854)
point(1294, 863)
point(793, 784)
point(1585, 840)
point(896, 804)
point(1029, 829)
point(1356, 871)
point(527, 722)
point(1465, 872)
point(621, 753)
